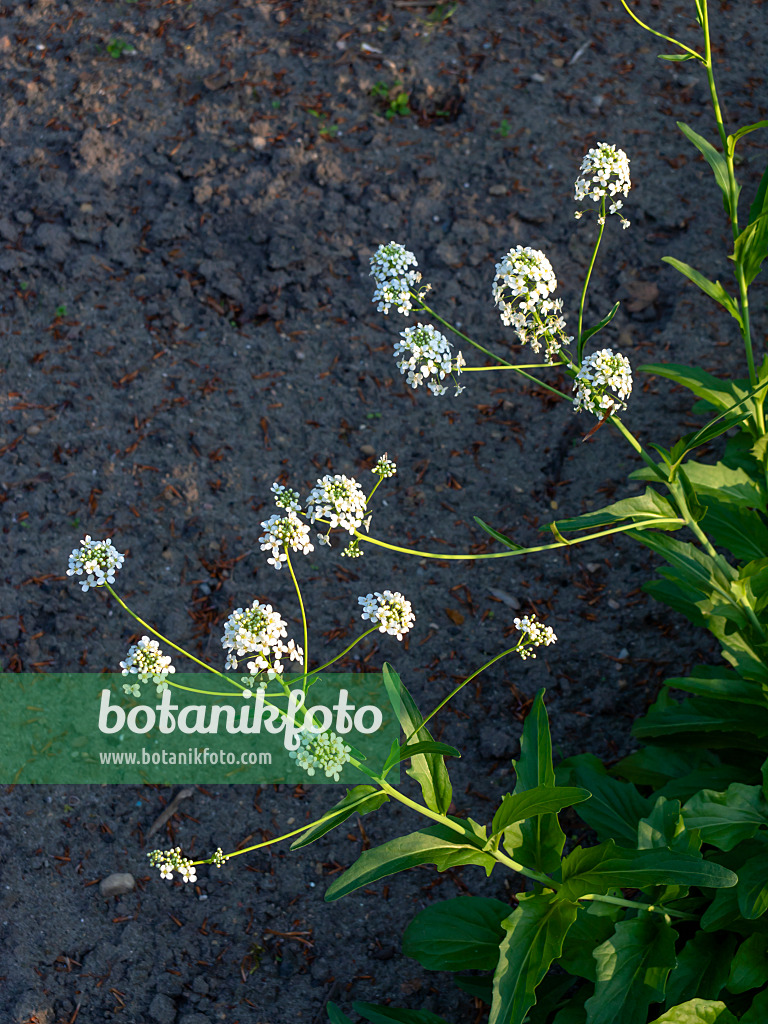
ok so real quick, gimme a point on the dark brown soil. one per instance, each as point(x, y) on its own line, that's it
point(187, 318)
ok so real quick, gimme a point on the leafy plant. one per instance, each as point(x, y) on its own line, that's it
point(393, 100)
point(117, 47)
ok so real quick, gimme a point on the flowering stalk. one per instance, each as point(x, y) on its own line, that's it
point(580, 335)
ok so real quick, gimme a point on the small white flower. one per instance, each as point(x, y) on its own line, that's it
point(256, 630)
point(392, 612)
point(146, 660)
point(535, 634)
point(389, 269)
point(602, 383)
point(284, 532)
point(169, 861)
point(426, 353)
point(604, 173)
point(324, 750)
point(338, 500)
point(98, 560)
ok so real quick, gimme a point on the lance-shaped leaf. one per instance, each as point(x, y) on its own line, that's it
point(586, 335)
point(715, 159)
point(438, 845)
point(598, 869)
point(631, 970)
point(731, 485)
point(721, 394)
point(719, 683)
point(615, 808)
point(758, 1011)
point(538, 800)
point(403, 752)
point(427, 769)
point(498, 536)
point(698, 1011)
point(537, 843)
point(390, 1014)
point(535, 933)
point(702, 967)
point(751, 247)
point(711, 288)
point(740, 726)
point(360, 800)
point(649, 507)
point(728, 818)
point(459, 934)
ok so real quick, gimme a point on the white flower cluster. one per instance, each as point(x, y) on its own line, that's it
point(286, 498)
point(284, 532)
point(339, 500)
point(258, 630)
point(99, 560)
point(604, 173)
point(384, 467)
point(534, 635)
point(426, 353)
point(325, 751)
point(521, 288)
point(601, 373)
point(353, 549)
point(169, 861)
point(146, 661)
point(391, 611)
point(389, 269)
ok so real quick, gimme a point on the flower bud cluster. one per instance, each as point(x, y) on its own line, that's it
point(258, 630)
point(535, 634)
point(604, 173)
point(286, 498)
point(284, 532)
point(384, 467)
point(392, 612)
point(389, 269)
point(339, 500)
point(324, 751)
point(602, 383)
point(146, 661)
point(521, 288)
point(169, 861)
point(98, 560)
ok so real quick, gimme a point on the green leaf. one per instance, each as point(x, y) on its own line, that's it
point(550, 995)
point(539, 800)
point(749, 968)
point(498, 536)
point(739, 725)
point(537, 843)
point(438, 845)
point(752, 887)
point(675, 56)
point(758, 1011)
point(728, 818)
point(723, 911)
point(718, 683)
point(648, 506)
point(402, 753)
point(697, 1011)
point(476, 985)
point(586, 335)
point(360, 800)
point(702, 968)
point(715, 160)
point(335, 1016)
point(751, 247)
point(711, 288)
point(387, 1014)
point(615, 808)
point(594, 925)
point(598, 869)
point(665, 827)
point(535, 933)
point(733, 486)
point(459, 934)
point(655, 766)
point(632, 969)
point(719, 393)
point(427, 769)
point(733, 139)
point(760, 202)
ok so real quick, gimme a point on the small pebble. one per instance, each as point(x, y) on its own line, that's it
point(117, 884)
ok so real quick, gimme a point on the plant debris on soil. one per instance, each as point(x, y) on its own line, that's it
point(192, 192)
